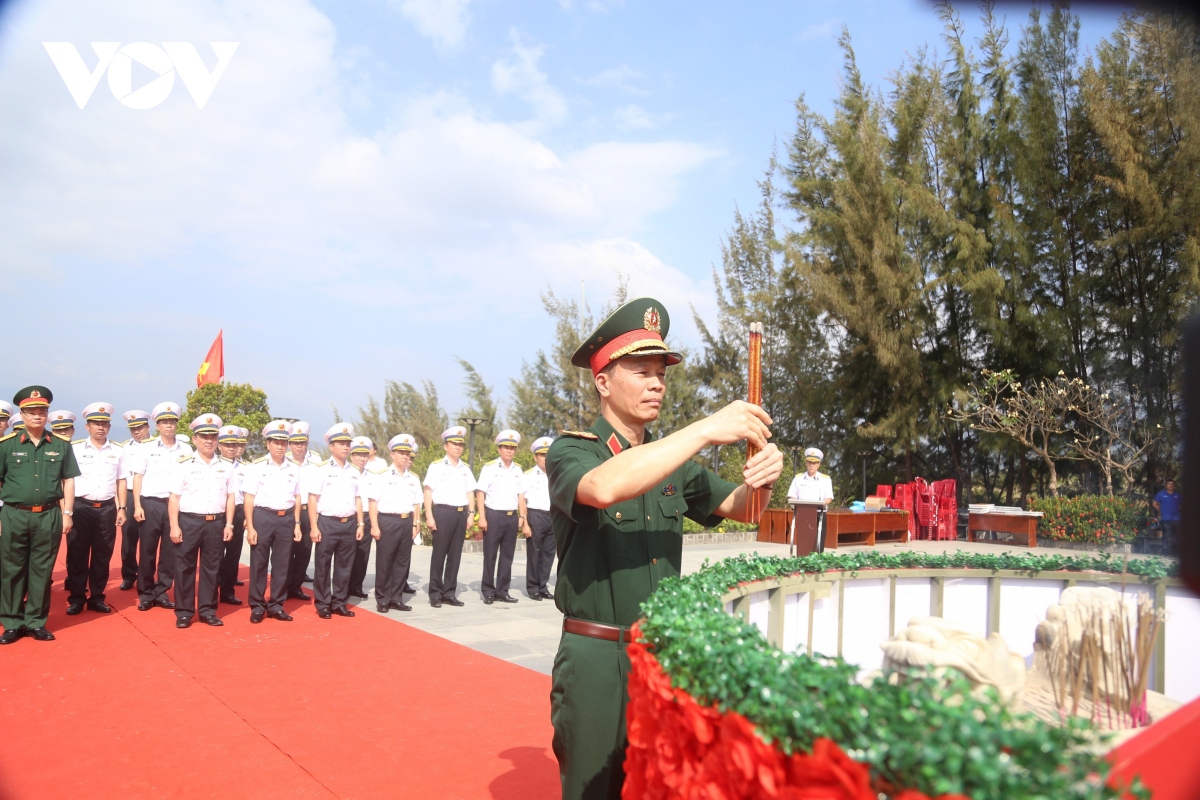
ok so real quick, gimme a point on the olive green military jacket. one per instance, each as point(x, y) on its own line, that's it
point(612, 559)
point(33, 474)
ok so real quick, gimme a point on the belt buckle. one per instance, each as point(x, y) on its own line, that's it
point(461, 508)
point(97, 505)
point(209, 517)
point(343, 519)
point(37, 509)
point(508, 513)
point(280, 513)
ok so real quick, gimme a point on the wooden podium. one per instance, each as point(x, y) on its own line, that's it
point(808, 523)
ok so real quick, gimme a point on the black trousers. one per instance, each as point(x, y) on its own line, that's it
point(89, 550)
point(447, 550)
point(231, 558)
point(202, 541)
point(393, 557)
point(156, 551)
point(500, 539)
point(129, 542)
point(274, 550)
point(539, 552)
point(337, 548)
point(362, 554)
point(301, 554)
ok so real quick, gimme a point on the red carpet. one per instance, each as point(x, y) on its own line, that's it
point(126, 705)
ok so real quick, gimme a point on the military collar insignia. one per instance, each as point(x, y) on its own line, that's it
point(614, 444)
point(651, 320)
point(669, 490)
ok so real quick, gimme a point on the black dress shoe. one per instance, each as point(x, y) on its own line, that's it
point(212, 619)
point(435, 603)
point(230, 600)
point(74, 608)
point(360, 595)
point(547, 596)
point(100, 607)
point(256, 617)
point(239, 583)
point(535, 596)
point(299, 594)
point(11, 635)
point(382, 608)
point(323, 613)
point(343, 612)
point(183, 622)
point(399, 606)
point(164, 604)
point(487, 601)
point(41, 634)
point(145, 605)
point(282, 616)
point(452, 601)
point(126, 585)
point(507, 599)
point(408, 589)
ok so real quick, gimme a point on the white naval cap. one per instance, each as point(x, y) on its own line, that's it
point(6, 410)
point(228, 434)
point(136, 417)
point(341, 432)
point(166, 411)
point(243, 435)
point(508, 437)
point(541, 444)
point(813, 454)
point(403, 443)
point(360, 444)
point(206, 423)
point(98, 412)
point(300, 431)
point(277, 429)
point(183, 438)
point(62, 419)
point(455, 433)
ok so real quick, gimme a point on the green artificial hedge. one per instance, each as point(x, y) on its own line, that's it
point(1091, 518)
point(909, 733)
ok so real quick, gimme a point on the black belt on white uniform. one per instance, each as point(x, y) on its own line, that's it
point(452, 508)
point(205, 517)
point(339, 519)
point(95, 503)
point(393, 514)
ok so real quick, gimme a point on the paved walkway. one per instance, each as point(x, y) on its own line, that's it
point(527, 632)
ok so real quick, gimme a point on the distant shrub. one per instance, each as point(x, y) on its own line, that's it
point(1091, 518)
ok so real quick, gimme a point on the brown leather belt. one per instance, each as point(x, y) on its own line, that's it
point(596, 630)
point(34, 509)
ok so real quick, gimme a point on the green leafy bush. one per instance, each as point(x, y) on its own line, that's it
point(907, 733)
point(1091, 518)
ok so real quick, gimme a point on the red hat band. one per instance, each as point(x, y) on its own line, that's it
point(623, 345)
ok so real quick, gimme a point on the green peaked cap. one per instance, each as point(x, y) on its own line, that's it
point(640, 325)
point(33, 396)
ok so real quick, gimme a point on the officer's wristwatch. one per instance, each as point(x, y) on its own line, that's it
point(68, 512)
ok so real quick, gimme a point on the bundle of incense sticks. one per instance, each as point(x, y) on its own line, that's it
point(754, 395)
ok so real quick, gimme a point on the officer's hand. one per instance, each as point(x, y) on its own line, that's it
point(315, 535)
point(429, 523)
point(764, 468)
point(298, 535)
point(228, 535)
point(736, 422)
point(120, 517)
point(251, 537)
point(375, 534)
point(138, 514)
point(68, 524)
point(482, 522)
point(358, 534)
point(528, 533)
point(177, 535)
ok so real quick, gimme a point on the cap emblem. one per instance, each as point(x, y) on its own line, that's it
point(35, 393)
point(650, 320)
point(282, 426)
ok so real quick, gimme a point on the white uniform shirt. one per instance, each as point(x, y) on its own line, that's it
point(536, 488)
point(811, 489)
point(156, 462)
point(450, 483)
point(240, 468)
point(377, 466)
point(500, 484)
point(396, 492)
point(202, 488)
point(336, 486)
point(274, 486)
point(101, 468)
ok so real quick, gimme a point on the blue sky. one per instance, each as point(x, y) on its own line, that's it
point(374, 188)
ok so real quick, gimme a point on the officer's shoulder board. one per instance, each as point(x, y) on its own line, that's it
point(6, 437)
point(78, 441)
point(822, 475)
point(580, 435)
point(226, 460)
point(66, 439)
point(119, 444)
point(185, 458)
point(493, 461)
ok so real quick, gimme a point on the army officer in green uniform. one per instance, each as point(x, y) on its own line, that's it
point(618, 499)
point(37, 484)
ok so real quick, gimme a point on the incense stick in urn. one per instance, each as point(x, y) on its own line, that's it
point(754, 395)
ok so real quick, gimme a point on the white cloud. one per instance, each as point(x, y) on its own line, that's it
point(443, 21)
point(446, 215)
point(622, 77)
point(519, 74)
point(635, 118)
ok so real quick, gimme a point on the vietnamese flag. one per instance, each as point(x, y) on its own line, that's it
point(213, 368)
